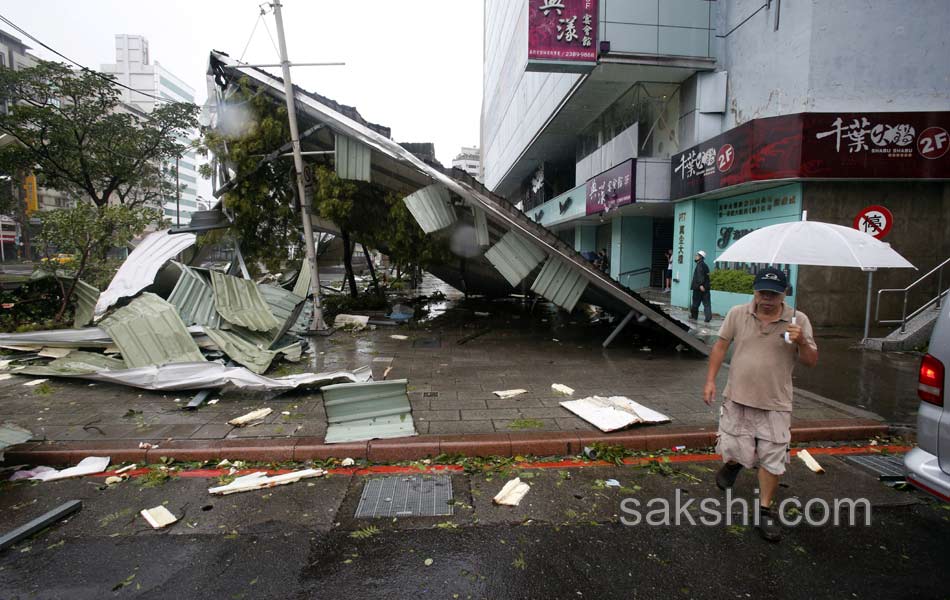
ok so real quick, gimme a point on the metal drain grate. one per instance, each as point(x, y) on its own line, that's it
point(887, 468)
point(407, 496)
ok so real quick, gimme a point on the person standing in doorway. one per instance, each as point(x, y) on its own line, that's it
point(668, 275)
point(756, 414)
point(700, 287)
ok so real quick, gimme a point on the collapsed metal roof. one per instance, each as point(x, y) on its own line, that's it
point(570, 279)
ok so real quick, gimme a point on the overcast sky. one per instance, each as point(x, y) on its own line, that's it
point(413, 65)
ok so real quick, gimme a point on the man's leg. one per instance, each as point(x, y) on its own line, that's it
point(768, 483)
point(694, 306)
point(772, 458)
point(707, 305)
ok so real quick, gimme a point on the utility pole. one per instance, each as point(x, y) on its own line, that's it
point(177, 196)
point(304, 191)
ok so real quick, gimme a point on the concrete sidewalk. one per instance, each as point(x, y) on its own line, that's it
point(450, 387)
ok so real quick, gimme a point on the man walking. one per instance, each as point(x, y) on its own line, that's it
point(700, 287)
point(756, 414)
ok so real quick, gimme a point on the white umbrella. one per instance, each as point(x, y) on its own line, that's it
point(813, 243)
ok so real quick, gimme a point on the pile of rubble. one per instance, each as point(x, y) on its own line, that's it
point(163, 325)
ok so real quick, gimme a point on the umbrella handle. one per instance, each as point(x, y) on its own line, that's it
point(788, 341)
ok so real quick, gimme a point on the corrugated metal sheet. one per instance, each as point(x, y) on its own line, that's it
point(240, 302)
point(77, 363)
point(283, 304)
point(560, 283)
point(249, 348)
point(481, 227)
point(366, 411)
point(352, 159)
point(194, 299)
point(431, 208)
point(139, 269)
point(514, 257)
point(148, 331)
point(86, 297)
point(302, 286)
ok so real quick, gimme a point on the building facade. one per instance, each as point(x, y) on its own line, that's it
point(469, 159)
point(134, 68)
point(636, 126)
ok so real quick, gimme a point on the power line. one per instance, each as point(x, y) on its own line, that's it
point(81, 66)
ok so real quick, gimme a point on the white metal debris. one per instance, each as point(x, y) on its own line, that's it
point(613, 413)
point(355, 322)
point(401, 338)
point(562, 389)
point(5, 376)
point(347, 462)
point(125, 469)
point(512, 493)
point(87, 466)
point(54, 352)
point(139, 269)
point(254, 415)
point(510, 393)
point(260, 480)
point(33, 382)
point(158, 517)
point(810, 461)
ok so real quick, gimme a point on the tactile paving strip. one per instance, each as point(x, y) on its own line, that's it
point(406, 496)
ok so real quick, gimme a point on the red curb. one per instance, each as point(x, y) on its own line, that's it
point(555, 443)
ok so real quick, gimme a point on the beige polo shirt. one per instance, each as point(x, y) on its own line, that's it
point(760, 372)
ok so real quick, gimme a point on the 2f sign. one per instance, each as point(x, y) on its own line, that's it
point(933, 142)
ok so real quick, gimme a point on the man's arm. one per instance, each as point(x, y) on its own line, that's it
point(807, 351)
point(716, 358)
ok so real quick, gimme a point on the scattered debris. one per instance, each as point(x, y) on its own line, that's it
point(401, 312)
point(54, 352)
point(510, 393)
point(33, 382)
point(810, 461)
point(611, 483)
point(40, 523)
point(646, 349)
point(482, 314)
point(366, 411)
point(12, 434)
point(512, 493)
point(562, 389)
point(613, 413)
point(401, 338)
point(113, 479)
point(147, 446)
point(386, 372)
point(347, 462)
point(351, 322)
point(125, 469)
point(158, 517)
point(260, 480)
point(214, 401)
point(679, 448)
point(254, 415)
point(87, 466)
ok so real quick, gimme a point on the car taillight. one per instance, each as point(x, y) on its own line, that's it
point(930, 383)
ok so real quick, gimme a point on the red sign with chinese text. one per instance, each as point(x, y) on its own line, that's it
point(612, 189)
point(874, 220)
point(562, 35)
point(910, 145)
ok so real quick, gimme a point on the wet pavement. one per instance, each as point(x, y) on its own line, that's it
point(565, 540)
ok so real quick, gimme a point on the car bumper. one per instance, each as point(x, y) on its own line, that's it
point(923, 471)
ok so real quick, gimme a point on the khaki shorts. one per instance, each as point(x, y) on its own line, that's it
point(751, 436)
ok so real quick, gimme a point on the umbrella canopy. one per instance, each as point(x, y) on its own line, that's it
point(813, 243)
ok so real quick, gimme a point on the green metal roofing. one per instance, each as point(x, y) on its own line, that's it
point(431, 207)
point(76, 363)
point(148, 331)
point(86, 297)
point(251, 349)
point(353, 158)
point(240, 302)
point(560, 283)
point(481, 227)
point(283, 304)
point(366, 411)
point(194, 298)
point(514, 258)
point(302, 287)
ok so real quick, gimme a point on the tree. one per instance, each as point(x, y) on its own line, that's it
point(265, 223)
point(74, 132)
point(83, 232)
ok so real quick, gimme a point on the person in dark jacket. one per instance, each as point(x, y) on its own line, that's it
point(700, 287)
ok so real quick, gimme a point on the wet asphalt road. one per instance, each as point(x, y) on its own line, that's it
point(564, 541)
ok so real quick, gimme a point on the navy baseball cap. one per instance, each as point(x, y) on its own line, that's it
point(770, 279)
